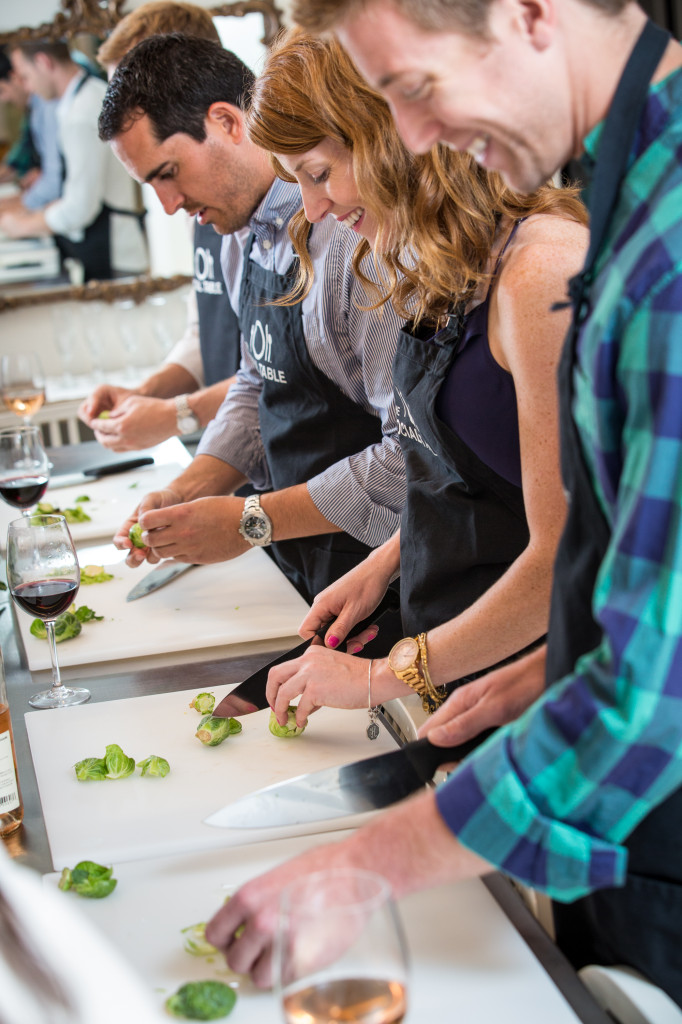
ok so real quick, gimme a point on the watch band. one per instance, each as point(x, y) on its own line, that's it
point(187, 420)
point(253, 509)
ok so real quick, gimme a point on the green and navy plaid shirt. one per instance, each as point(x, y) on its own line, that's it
point(551, 798)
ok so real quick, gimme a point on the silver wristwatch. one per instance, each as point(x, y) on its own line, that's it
point(186, 419)
point(255, 525)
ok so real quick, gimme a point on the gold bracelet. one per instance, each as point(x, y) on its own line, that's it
point(434, 695)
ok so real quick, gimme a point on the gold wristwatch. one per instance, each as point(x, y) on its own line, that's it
point(406, 660)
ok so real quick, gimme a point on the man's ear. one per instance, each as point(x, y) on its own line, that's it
point(538, 18)
point(227, 118)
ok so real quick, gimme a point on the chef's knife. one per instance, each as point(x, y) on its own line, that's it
point(159, 577)
point(249, 696)
point(356, 788)
point(85, 476)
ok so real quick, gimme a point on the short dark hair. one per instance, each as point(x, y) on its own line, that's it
point(5, 65)
point(173, 79)
point(58, 49)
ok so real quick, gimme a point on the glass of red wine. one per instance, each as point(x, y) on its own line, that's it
point(24, 467)
point(43, 577)
point(340, 952)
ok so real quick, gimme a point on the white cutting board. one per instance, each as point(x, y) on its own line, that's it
point(112, 499)
point(127, 819)
point(467, 961)
point(243, 600)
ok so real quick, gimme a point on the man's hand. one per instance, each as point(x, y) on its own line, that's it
point(492, 700)
point(23, 223)
point(136, 556)
point(104, 398)
point(137, 422)
point(201, 531)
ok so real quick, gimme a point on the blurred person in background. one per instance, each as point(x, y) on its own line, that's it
point(34, 161)
point(187, 390)
point(96, 220)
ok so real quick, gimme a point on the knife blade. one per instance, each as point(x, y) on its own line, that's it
point(356, 788)
point(159, 577)
point(249, 696)
point(85, 476)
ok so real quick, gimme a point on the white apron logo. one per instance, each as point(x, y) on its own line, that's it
point(410, 429)
point(204, 273)
point(260, 346)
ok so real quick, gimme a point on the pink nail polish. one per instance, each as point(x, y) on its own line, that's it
point(333, 641)
point(356, 648)
point(371, 637)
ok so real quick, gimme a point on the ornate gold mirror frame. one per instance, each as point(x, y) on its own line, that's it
point(98, 18)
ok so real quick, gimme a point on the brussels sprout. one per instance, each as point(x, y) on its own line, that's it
point(104, 415)
point(154, 765)
point(91, 768)
point(195, 940)
point(45, 508)
point(81, 498)
point(76, 515)
point(288, 730)
point(85, 614)
point(213, 731)
point(135, 534)
point(88, 879)
point(95, 574)
point(119, 765)
point(66, 627)
point(202, 1000)
point(203, 703)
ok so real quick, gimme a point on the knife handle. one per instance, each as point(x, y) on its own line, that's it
point(119, 467)
point(427, 758)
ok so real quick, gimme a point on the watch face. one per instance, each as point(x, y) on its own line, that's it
point(188, 424)
point(404, 654)
point(255, 526)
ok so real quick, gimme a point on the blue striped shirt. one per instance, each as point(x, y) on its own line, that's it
point(551, 798)
point(362, 494)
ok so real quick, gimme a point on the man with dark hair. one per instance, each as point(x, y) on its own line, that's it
point(579, 796)
point(311, 413)
point(186, 392)
point(34, 160)
point(96, 219)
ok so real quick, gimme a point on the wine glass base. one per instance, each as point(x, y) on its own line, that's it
point(62, 697)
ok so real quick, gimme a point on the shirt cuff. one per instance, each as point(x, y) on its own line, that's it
point(243, 449)
point(342, 498)
point(485, 804)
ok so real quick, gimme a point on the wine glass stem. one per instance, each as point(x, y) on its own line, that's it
point(56, 677)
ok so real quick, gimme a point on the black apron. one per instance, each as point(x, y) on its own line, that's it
point(641, 924)
point(218, 323)
point(463, 524)
point(306, 423)
point(94, 249)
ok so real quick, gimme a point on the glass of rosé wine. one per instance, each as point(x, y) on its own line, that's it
point(24, 467)
point(22, 383)
point(43, 578)
point(340, 952)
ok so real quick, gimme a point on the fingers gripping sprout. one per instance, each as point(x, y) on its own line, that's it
point(135, 534)
point(213, 731)
point(104, 415)
point(203, 703)
point(88, 879)
point(290, 729)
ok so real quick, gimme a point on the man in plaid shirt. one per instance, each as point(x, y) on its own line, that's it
point(580, 793)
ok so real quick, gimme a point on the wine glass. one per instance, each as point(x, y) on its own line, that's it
point(24, 467)
point(340, 952)
point(22, 383)
point(43, 577)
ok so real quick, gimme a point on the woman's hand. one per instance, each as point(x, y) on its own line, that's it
point(352, 598)
point(320, 677)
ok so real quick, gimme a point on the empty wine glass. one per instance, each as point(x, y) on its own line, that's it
point(22, 383)
point(24, 467)
point(43, 577)
point(340, 953)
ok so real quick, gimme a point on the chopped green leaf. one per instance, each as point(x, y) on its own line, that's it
point(119, 765)
point(91, 768)
point(202, 1000)
point(88, 879)
point(82, 497)
point(95, 574)
point(154, 765)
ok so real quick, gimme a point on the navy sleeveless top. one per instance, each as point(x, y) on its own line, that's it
point(478, 398)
